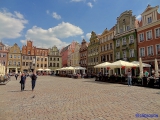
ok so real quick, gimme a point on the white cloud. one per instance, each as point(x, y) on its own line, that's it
point(56, 16)
point(138, 17)
point(82, 37)
point(76, 0)
point(47, 11)
point(88, 35)
point(90, 4)
point(94, 0)
point(52, 36)
point(11, 25)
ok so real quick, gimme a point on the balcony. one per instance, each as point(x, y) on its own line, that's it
point(117, 46)
point(131, 42)
point(124, 44)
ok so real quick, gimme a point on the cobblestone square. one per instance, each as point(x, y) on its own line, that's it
point(59, 98)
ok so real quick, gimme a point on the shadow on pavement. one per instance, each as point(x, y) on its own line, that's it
point(19, 91)
point(98, 82)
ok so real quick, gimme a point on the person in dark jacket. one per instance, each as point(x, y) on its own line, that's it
point(33, 78)
point(16, 76)
point(23, 80)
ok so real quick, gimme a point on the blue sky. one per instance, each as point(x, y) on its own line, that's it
point(59, 22)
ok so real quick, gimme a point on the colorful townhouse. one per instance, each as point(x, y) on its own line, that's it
point(125, 39)
point(54, 59)
point(83, 54)
point(14, 59)
point(93, 52)
point(71, 49)
point(28, 57)
point(148, 36)
point(106, 47)
point(64, 54)
point(75, 60)
point(3, 54)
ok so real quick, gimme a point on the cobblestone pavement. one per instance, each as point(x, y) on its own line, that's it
point(59, 98)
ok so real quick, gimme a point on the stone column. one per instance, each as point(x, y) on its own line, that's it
point(7, 70)
point(16, 69)
point(84, 71)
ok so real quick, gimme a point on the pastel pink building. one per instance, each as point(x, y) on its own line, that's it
point(64, 54)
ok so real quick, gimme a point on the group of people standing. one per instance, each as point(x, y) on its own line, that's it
point(23, 80)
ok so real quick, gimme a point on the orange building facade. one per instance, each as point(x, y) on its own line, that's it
point(148, 36)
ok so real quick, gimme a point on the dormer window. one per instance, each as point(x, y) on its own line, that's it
point(149, 20)
point(29, 52)
point(121, 30)
point(127, 28)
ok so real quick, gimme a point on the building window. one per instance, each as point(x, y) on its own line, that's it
point(23, 63)
point(9, 63)
point(50, 65)
point(124, 41)
point(127, 28)
point(107, 57)
point(50, 59)
point(131, 53)
point(37, 58)
point(18, 63)
point(157, 31)
point(1, 47)
point(118, 55)
point(150, 50)
point(111, 58)
point(111, 46)
point(124, 54)
point(10, 56)
point(149, 35)
point(26, 63)
point(158, 49)
point(29, 52)
point(57, 64)
point(107, 46)
point(23, 57)
point(57, 59)
point(14, 63)
point(37, 65)
point(53, 64)
point(121, 30)
point(45, 65)
point(117, 43)
point(45, 59)
point(142, 52)
point(149, 20)
point(4, 55)
point(131, 39)
point(141, 37)
point(41, 59)
point(41, 65)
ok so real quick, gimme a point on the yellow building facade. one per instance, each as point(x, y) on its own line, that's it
point(14, 59)
point(106, 46)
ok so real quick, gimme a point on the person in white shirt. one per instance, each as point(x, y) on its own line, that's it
point(129, 74)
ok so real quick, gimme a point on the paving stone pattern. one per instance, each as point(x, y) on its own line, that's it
point(59, 98)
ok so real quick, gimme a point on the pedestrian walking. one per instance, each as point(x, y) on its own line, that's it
point(16, 76)
point(33, 80)
point(129, 77)
point(22, 81)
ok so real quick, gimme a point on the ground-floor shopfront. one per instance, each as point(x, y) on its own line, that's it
point(13, 69)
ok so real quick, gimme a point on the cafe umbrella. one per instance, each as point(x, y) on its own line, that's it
point(156, 68)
